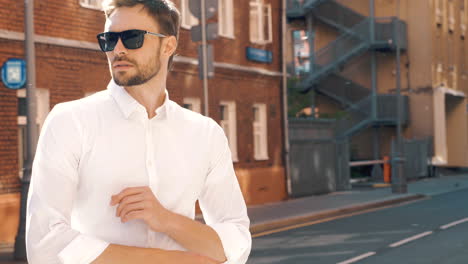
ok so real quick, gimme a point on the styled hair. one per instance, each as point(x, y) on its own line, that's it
point(164, 12)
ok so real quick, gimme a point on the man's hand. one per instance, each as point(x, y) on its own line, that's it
point(140, 203)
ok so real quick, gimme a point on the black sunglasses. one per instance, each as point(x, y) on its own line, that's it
point(131, 39)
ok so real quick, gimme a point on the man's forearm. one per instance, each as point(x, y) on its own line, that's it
point(119, 254)
point(195, 237)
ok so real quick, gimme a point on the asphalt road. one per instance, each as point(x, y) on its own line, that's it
point(430, 231)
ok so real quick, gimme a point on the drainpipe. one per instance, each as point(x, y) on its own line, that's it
point(285, 98)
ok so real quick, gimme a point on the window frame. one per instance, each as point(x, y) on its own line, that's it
point(43, 109)
point(226, 21)
point(232, 125)
point(195, 102)
point(86, 4)
point(184, 11)
point(260, 6)
point(260, 127)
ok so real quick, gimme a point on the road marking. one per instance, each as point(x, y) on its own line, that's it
point(328, 219)
point(454, 223)
point(358, 258)
point(409, 239)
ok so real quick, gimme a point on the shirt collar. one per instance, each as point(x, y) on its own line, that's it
point(128, 104)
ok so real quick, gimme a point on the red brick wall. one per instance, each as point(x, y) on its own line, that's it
point(70, 72)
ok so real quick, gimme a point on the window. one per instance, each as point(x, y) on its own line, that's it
point(225, 18)
point(260, 22)
point(188, 20)
point(227, 111)
point(192, 103)
point(260, 132)
point(43, 107)
point(451, 16)
point(438, 12)
point(93, 4)
point(463, 18)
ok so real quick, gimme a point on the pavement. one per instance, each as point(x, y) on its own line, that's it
point(276, 216)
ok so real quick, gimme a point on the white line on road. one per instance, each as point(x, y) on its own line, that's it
point(454, 223)
point(358, 258)
point(409, 239)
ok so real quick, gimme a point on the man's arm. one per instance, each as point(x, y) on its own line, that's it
point(226, 235)
point(118, 254)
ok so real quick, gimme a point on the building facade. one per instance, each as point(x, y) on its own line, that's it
point(245, 93)
point(353, 44)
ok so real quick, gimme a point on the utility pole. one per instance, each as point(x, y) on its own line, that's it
point(399, 184)
point(31, 139)
point(203, 10)
point(205, 67)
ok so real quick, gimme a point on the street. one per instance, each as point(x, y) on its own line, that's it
point(433, 230)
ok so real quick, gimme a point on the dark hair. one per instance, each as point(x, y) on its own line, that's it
point(164, 13)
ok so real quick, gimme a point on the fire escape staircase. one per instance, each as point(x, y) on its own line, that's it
point(355, 39)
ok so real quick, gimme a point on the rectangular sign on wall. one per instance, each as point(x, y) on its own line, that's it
point(259, 55)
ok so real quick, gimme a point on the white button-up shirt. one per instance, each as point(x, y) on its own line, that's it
point(92, 148)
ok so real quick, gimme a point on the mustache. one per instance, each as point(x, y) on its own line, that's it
point(124, 59)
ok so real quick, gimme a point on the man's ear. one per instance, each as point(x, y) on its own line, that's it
point(170, 45)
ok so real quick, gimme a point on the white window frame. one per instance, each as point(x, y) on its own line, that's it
point(89, 4)
point(230, 127)
point(259, 7)
point(260, 134)
point(43, 109)
point(194, 102)
point(226, 18)
point(187, 19)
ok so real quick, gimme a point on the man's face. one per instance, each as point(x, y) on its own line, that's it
point(130, 67)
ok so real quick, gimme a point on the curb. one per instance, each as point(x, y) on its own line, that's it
point(321, 215)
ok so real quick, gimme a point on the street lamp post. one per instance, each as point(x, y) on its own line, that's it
point(399, 184)
point(31, 139)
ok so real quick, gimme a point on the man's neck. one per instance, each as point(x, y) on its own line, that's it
point(150, 94)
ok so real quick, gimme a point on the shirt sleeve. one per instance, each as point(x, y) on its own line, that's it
point(222, 203)
point(54, 182)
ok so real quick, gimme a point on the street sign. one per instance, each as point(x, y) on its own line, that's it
point(14, 73)
point(211, 7)
point(209, 61)
point(259, 55)
point(211, 32)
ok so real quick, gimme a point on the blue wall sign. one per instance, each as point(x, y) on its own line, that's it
point(14, 73)
point(259, 55)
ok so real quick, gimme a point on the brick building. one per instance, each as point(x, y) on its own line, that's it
point(352, 68)
point(245, 95)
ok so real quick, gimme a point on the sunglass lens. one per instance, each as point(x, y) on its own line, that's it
point(107, 41)
point(133, 39)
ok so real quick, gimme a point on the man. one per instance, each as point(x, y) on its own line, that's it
point(117, 174)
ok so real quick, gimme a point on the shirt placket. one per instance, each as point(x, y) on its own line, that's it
point(150, 165)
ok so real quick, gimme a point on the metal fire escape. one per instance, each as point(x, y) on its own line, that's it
point(359, 34)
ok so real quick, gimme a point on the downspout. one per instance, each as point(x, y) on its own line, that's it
point(285, 98)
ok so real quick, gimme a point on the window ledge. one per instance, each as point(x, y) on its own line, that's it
point(261, 42)
point(227, 36)
point(261, 158)
point(91, 7)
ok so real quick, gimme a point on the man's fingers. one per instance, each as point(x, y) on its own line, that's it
point(131, 207)
point(129, 200)
point(115, 199)
point(136, 214)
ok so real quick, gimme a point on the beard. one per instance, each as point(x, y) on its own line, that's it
point(143, 72)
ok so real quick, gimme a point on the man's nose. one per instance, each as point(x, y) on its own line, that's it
point(120, 48)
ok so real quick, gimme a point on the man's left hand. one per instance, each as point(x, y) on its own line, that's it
point(140, 203)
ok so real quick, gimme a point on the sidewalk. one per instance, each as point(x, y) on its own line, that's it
point(296, 211)
point(316, 208)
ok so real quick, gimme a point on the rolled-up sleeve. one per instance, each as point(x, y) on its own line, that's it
point(53, 188)
point(222, 203)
